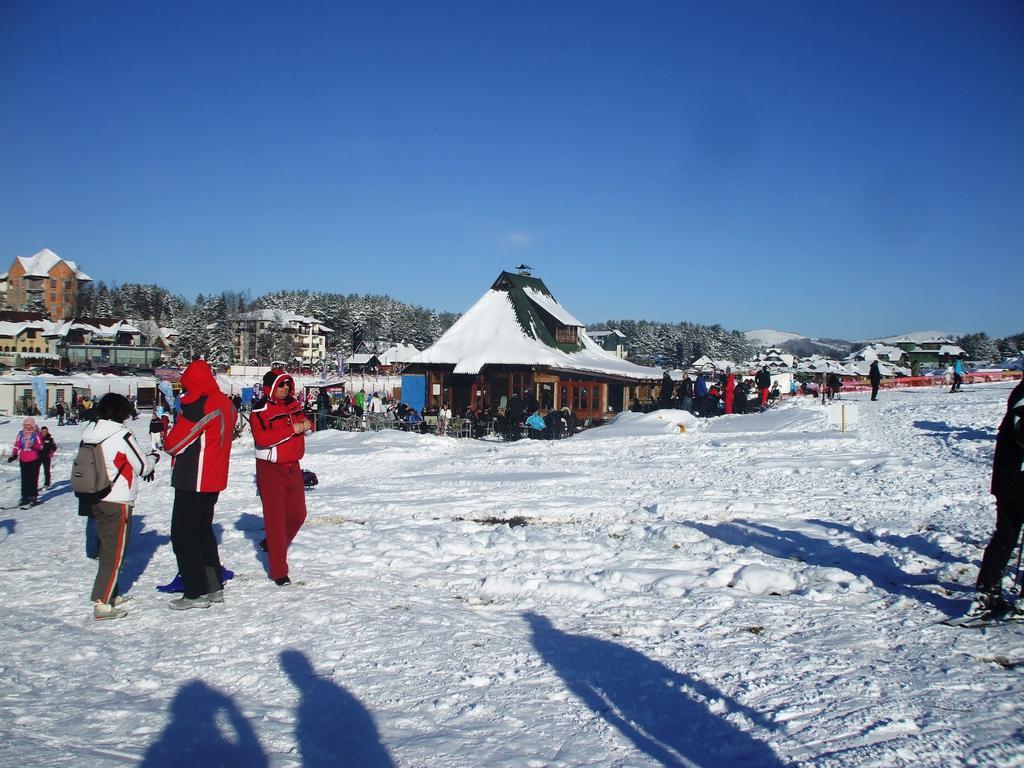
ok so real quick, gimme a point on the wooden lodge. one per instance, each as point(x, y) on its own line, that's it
point(517, 339)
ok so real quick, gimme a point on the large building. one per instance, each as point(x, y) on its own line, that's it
point(307, 336)
point(45, 283)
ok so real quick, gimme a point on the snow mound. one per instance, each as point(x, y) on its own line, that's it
point(667, 421)
point(763, 579)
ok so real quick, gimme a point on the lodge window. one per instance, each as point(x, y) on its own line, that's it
point(582, 396)
point(566, 334)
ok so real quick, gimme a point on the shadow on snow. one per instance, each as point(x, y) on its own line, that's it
point(917, 542)
point(333, 727)
point(664, 713)
point(143, 545)
point(950, 434)
point(252, 526)
point(207, 728)
point(792, 545)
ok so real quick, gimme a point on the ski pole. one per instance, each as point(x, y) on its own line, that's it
point(1017, 585)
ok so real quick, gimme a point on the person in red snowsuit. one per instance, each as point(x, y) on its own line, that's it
point(730, 389)
point(278, 426)
point(200, 443)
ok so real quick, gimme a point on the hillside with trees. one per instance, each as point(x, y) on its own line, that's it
point(205, 325)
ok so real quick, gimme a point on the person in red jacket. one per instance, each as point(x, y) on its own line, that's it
point(200, 444)
point(730, 389)
point(278, 426)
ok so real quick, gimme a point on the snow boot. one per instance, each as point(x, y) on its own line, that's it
point(184, 603)
point(101, 611)
point(216, 596)
point(284, 581)
point(987, 604)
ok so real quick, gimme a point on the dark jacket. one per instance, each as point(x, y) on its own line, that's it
point(49, 447)
point(1007, 477)
point(200, 440)
point(763, 379)
point(874, 374)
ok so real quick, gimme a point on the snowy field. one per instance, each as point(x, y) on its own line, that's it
point(757, 590)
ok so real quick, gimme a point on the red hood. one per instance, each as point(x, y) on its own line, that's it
point(197, 380)
point(268, 391)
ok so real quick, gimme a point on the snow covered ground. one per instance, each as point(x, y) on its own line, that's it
point(755, 590)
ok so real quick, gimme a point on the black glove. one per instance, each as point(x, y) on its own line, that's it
point(12, 457)
point(149, 476)
point(156, 427)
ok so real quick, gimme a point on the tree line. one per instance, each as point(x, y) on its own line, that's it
point(205, 326)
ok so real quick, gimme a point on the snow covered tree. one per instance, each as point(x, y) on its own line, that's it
point(979, 346)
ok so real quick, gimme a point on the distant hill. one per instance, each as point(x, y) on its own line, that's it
point(795, 344)
point(769, 338)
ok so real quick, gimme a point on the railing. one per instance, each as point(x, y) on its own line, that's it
point(862, 384)
point(459, 427)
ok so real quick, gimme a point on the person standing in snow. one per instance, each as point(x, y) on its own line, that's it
point(958, 375)
point(28, 447)
point(278, 426)
point(444, 415)
point(1008, 488)
point(763, 379)
point(200, 444)
point(875, 376)
point(125, 463)
point(730, 389)
point(46, 455)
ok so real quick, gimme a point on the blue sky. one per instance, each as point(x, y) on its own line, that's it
point(843, 169)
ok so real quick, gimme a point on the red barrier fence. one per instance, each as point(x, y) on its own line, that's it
point(861, 384)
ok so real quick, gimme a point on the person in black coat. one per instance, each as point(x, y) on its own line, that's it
point(875, 376)
point(515, 415)
point(49, 448)
point(1008, 488)
point(763, 379)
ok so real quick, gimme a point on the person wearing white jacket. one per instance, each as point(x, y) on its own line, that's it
point(126, 463)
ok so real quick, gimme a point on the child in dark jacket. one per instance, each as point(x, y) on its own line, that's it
point(49, 448)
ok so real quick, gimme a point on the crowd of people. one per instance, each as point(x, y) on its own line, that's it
point(199, 442)
point(706, 395)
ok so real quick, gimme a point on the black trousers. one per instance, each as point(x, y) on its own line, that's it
point(194, 543)
point(874, 390)
point(30, 480)
point(1009, 518)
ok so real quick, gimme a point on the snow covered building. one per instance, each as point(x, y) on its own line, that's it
point(882, 352)
point(307, 335)
point(613, 341)
point(921, 351)
point(518, 339)
point(774, 358)
point(43, 282)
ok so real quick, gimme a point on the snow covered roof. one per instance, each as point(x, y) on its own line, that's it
point(507, 326)
point(918, 337)
point(875, 352)
point(399, 353)
point(40, 264)
point(273, 315)
point(13, 329)
point(361, 358)
point(706, 362)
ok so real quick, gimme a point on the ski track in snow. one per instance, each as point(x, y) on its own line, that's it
point(758, 590)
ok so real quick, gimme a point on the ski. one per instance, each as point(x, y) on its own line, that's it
point(992, 619)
